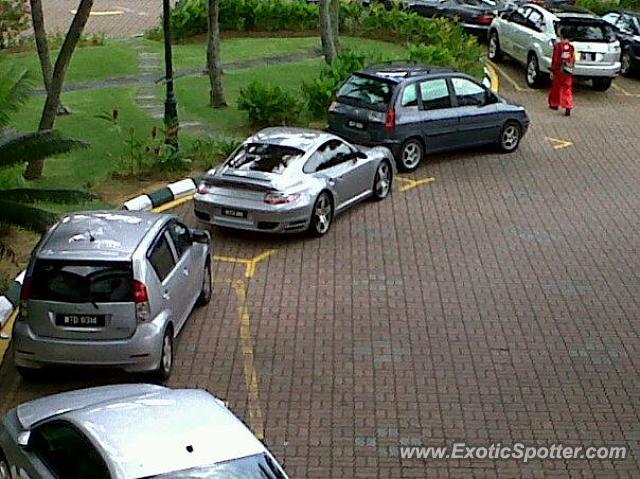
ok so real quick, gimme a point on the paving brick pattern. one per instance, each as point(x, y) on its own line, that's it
point(496, 304)
point(114, 18)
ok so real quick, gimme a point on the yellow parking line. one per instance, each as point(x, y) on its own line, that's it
point(101, 13)
point(410, 184)
point(507, 77)
point(250, 263)
point(4, 343)
point(172, 204)
point(493, 76)
point(559, 144)
point(247, 347)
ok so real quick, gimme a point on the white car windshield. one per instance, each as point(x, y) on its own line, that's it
point(264, 157)
point(259, 466)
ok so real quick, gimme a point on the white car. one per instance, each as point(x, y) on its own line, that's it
point(130, 431)
point(529, 33)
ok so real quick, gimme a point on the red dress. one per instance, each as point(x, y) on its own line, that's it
point(561, 93)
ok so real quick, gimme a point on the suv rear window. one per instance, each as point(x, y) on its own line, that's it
point(367, 91)
point(586, 31)
point(82, 282)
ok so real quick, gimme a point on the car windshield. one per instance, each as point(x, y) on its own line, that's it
point(586, 31)
point(367, 91)
point(265, 157)
point(259, 466)
point(82, 282)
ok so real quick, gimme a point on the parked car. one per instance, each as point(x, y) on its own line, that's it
point(292, 179)
point(474, 15)
point(130, 431)
point(111, 288)
point(529, 33)
point(415, 109)
point(627, 27)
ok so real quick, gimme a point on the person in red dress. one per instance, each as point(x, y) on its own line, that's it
point(561, 93)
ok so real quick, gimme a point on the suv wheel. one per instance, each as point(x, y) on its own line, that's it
point(533, 76)
point(4, 467)
point(601, 84)
point(495, 54)
point(411, 155)
point(321, 215)
point(165, 367)
point(625, 63)
point(510, 136)
point(207, 286)
point(382, 181)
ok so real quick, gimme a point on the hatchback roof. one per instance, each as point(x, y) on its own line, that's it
point(148, 430)
point(99, 234)
point(398, 71)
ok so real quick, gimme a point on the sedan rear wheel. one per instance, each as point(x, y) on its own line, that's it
point(207, 283)
point(4, 467)
point(533, 72)
point(495, 54)
point(411, 155)
point(510, 137)
point(322, 215)
point(163, 372)
point(382, 181)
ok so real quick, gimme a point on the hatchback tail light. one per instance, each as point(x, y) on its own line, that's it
point(281, 199)
point(390, 121)
point(141, 300)
point(204, 188)
point(485, 19)
point(25, 294)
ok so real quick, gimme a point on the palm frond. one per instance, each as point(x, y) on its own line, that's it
point(29, 195)
point(25, 216)
point(15, 87)
point(18, 148)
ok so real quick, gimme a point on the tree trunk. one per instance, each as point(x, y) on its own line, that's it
point(42, 46)
point(326, 32)
point(335, 24)
point(34, 169)
point(214, 65)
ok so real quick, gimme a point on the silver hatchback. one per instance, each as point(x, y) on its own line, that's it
point(111, 288)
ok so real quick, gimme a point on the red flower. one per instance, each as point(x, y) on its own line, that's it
point(154, 132)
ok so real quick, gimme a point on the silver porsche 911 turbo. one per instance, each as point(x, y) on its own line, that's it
point(285, 180)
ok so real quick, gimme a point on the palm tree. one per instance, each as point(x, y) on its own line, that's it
point(17, 205)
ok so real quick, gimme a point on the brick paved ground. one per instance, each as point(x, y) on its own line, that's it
point(114, 18)
point(496, 304)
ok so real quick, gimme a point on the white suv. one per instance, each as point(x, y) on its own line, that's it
point(528, 35)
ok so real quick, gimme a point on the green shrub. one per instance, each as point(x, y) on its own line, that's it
point(267, 104)
point(319, 92)
point(597, 6)
point(14, 19)
point(209, 152)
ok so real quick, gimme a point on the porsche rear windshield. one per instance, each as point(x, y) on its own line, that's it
point(259, 466)
point(82, 282)
point(586, 30)
point(265, 157)
point(367, 91)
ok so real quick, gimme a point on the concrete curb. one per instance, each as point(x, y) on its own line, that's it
point(173, 191)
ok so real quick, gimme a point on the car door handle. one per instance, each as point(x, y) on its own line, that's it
point(166, 295)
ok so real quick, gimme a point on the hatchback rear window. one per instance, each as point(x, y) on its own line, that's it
point(367, 91)
point(265, 157)
point(82, 282)
point(585, 31)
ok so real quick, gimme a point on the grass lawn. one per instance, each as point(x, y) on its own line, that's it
point(116, 58)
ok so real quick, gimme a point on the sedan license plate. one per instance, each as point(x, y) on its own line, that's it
point(234, 213)
point(355, 124)
point(588, 56)
point(81, 320)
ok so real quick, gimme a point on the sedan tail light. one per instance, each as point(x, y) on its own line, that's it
point(141, 300)
point(25, 294)
point(280, 198)
point(485, 19)
point(390, 121)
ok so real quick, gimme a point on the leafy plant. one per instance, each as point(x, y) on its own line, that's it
point(18, 205)
point(267, 104)
point(14, 19)
point(209, 152)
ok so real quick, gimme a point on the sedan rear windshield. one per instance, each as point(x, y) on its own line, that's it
point(367, 91)
point(586, 31)
point(82, 282)
point(268, 158)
